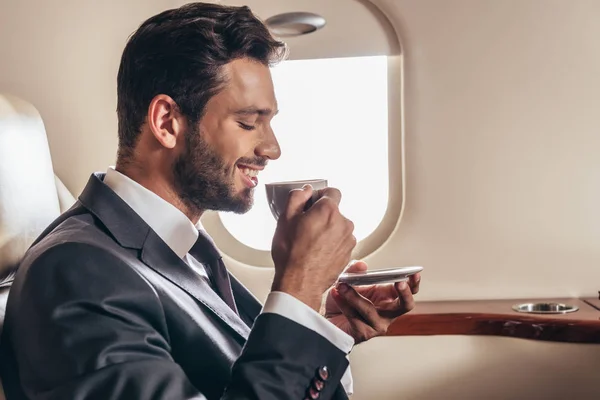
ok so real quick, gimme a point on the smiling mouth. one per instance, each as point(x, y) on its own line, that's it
point(249, 172)
point(250, 175)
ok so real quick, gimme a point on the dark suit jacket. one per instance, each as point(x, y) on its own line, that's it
point(101, 308)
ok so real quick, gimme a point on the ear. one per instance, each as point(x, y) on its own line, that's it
point(165, 121)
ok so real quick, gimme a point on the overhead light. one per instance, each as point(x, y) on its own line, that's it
point(294, 23)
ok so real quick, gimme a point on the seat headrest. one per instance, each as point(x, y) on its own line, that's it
point(28, 195)
point(65, 198)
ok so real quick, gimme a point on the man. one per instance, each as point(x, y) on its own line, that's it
point(126, 297)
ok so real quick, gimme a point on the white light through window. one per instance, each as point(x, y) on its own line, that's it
point(332, 124)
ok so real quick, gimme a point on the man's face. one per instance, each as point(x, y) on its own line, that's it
point(233, 141)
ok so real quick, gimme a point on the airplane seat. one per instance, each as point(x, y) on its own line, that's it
point(31, 196)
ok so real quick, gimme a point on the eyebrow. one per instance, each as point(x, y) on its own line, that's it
point(254, 110)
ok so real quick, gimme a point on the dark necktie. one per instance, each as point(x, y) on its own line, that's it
point(205, 251)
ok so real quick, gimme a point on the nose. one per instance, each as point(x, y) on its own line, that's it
point(269, 147)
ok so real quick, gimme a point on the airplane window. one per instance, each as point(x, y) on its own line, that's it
point(332, 124)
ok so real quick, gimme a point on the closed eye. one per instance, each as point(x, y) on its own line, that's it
point(246, 126)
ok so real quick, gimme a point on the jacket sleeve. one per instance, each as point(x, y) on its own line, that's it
point(85, 325)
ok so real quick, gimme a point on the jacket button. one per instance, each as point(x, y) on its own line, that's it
point(323, 373)
point(318, 384)
point(313, 393)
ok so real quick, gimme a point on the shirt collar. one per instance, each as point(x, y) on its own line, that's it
point(169, 223)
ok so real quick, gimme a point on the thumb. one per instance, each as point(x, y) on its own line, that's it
point(297, 200)
point(356, 266)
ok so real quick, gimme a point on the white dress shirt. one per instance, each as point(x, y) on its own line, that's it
point(180, 234)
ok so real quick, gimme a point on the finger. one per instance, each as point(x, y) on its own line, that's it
point(332, 194)
point(403, 304)
point(296, 201)
point(344, 306)
point(381, 292)
point(356, 266)
point(414, 282)
point(361, 330)
point(331, 307)
point(405, 294)
point(363, 308)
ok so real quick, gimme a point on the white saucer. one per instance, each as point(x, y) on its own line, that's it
point(377, 277)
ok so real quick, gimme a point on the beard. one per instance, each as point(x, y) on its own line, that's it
point(204, 182)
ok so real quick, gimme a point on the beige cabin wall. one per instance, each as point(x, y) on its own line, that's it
point(503, 173)
point(474, 368)
point(62, 56)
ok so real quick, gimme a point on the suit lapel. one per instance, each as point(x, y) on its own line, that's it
point(245, 300)
point(130, 231)
point(158, 256)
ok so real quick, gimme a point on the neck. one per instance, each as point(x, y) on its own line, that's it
point(158, 183)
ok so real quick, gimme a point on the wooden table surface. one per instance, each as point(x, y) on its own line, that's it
point(594, 302)
point(496, 317)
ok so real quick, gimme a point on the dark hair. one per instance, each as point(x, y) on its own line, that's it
point(180, 53)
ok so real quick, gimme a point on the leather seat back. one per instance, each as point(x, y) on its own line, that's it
point(31, 195)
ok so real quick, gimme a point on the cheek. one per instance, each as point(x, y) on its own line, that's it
point(235, 144)
point(229, 141)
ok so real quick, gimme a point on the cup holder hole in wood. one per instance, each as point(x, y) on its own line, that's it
point(545, 308)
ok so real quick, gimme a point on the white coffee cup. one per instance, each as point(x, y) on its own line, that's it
point(278, 193)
